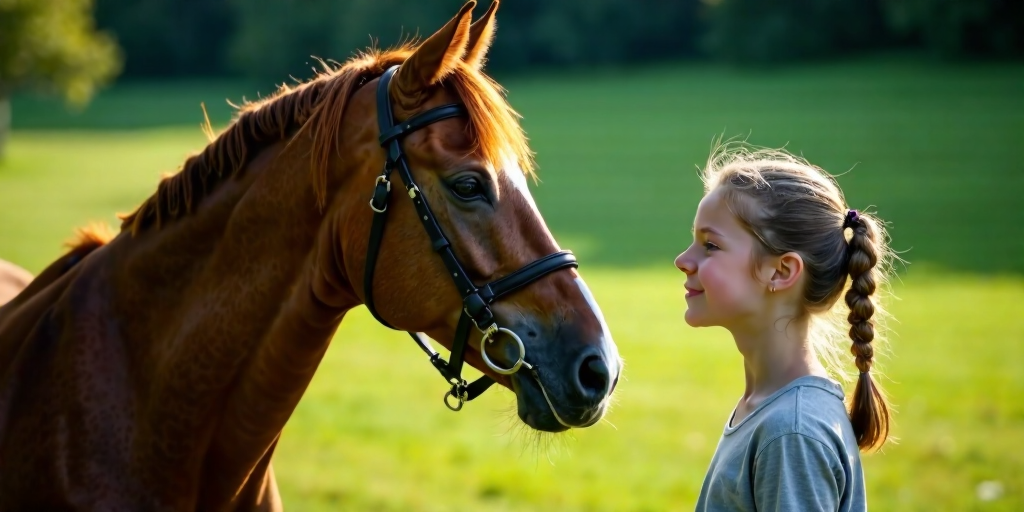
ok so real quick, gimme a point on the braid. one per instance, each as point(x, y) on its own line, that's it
point(869, 412)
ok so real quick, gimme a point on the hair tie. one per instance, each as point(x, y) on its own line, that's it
point(851, 219)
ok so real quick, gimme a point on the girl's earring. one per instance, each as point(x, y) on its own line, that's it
point(772, 289)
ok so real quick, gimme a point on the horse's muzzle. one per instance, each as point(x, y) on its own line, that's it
point(554, 397)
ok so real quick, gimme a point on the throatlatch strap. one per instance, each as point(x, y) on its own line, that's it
point(373, 249)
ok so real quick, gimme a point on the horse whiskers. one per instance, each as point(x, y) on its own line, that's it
point(551, 445)
point(509, 417)
point(610, 402)
point(541, 444)
point(546, 444)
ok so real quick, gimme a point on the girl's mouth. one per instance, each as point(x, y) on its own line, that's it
point(691, 292)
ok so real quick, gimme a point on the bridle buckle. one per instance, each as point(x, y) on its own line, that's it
point(383, 197)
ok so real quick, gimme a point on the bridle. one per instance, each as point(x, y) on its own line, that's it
point(476, 300)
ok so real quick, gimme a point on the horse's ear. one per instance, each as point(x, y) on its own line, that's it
point(433, 59)
point(481, 33)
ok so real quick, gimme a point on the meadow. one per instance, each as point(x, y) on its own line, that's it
point(935, 150)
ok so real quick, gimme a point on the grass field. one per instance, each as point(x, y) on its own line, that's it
point(936, 150)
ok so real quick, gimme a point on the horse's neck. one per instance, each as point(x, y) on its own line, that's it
point(226, 295)
point(210, 286)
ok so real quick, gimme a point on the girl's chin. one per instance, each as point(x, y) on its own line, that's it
point(693, 319)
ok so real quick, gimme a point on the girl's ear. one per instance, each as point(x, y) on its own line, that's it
point(786, 273)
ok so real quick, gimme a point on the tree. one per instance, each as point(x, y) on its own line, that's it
point(275, 38)
point(170, 38)
point(767, 32)
point(957, 29)
point(52, 46)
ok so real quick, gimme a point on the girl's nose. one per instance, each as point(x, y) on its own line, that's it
point(685, 264)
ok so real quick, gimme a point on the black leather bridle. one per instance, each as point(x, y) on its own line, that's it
point(476, 300)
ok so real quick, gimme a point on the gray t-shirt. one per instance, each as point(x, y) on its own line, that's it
point(796, 451)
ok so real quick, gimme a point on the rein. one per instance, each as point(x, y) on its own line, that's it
point(476, 301)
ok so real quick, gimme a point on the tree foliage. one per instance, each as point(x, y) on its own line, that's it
point(52, 46)
point(764, 32)
point(277, 38)
point(167, 38)
point(285, 37)
point(959, 29)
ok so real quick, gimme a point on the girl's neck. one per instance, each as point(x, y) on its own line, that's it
point(775, 356)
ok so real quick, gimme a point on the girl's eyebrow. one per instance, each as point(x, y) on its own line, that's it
point(707, 229)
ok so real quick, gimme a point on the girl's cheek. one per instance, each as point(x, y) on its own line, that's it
point(710, 277)
point(720, 288)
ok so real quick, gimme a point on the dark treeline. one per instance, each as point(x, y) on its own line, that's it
point(275, 38)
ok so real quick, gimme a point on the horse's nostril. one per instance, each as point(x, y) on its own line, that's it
point(594, 375)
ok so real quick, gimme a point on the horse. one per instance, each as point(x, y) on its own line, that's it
point(156, 370)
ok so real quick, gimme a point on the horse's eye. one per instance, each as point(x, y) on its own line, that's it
point(467, 188)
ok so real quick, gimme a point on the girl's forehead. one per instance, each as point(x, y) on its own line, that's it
point(713, 208)
point(715, 214)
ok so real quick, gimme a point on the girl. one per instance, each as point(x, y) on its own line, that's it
point(774, 243)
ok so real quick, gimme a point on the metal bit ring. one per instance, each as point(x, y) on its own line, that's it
point(489, 336)
point(451, 394)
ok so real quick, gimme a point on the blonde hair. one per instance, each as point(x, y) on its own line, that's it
point(790, 205)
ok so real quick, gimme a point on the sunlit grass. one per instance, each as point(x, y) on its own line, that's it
point(372, 427)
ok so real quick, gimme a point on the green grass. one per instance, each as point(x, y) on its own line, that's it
point(958, 385)
point(936, 150)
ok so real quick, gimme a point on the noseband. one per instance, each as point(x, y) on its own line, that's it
point(476, 301)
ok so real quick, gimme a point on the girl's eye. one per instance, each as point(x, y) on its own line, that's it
point(708, 246)
point(467, 188)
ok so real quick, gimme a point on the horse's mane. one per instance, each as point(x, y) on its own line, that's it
point(315, 109)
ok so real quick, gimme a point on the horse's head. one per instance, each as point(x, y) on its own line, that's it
point(471, 170)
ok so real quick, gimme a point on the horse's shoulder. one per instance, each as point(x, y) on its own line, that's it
point(30, 314)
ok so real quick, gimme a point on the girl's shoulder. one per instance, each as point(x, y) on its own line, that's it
point(810, 408)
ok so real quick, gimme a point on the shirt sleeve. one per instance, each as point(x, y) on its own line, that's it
point(794, 473)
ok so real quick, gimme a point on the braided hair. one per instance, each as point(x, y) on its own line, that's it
point(869, 412)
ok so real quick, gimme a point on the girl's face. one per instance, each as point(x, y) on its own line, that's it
point(721, 289)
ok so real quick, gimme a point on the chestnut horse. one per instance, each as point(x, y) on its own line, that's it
point(156, 371)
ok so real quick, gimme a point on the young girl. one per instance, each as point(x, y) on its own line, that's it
point(774, 243)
